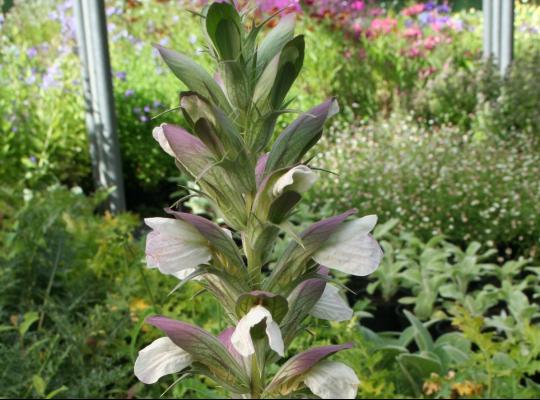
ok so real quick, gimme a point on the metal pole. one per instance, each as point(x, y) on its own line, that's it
point(87, 92)
point(101, 109)
point(487, 8)
point(496, 30)
point(507, 35)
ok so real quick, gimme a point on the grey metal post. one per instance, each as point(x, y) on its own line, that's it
point(499, 32)
point(496, 30)
point(487, 9)
point(507, 35)
point(82, 48)
point(100, 105)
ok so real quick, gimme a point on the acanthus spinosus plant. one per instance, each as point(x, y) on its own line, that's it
point(254, 186)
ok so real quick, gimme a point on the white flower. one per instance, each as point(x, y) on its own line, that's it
point(160, 358)
point(332, 380)
point(175, 247)
point(331, 306)
point(351, 249)
point(241, 337)
point(298, 179)
point(159, 135)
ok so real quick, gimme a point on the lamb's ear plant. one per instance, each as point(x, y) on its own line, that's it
point(253, 185)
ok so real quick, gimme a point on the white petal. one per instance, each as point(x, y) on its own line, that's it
point(351, 249)
point(298, 179)
point(332, 380)
point(158, 134)
point(175, 246)
point(275, 340)
point(183, 274)
point(241, 337)
point(331, 306)
point(160, 358)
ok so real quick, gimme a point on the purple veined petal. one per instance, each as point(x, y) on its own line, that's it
point(302, 363)
point(184, 335)
point(204, 348)
point(295, 256)
point(300, 136)
point(225, 339)
point(302, 300)
point(259, 169)
point(319, 232)
point(189, 150)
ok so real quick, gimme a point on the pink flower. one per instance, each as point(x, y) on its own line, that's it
point(358, 5)
point(414, 52)
point(426, 72)
point(362, 54)
point(376, 11)
point(413, 10)
point(431, 42)
point(383, 25)
point(413, 32)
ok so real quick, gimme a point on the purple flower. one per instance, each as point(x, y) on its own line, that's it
point(30, 80)
point(137, 110)
point(430, 5)
point(31, 52)
point(113, 11)
point(129, 93)
point(51, 76)
point(443, 9)
point(147, 109)
point(157, 104)
point(143, 118)
point(121, 75)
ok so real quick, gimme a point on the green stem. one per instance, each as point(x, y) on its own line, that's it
point(256, 382)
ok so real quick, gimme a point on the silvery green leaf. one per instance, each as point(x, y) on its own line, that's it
point(194, 76)
point(422, 335)
point(299, 136)
point(224, 28)
point(275, 40)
